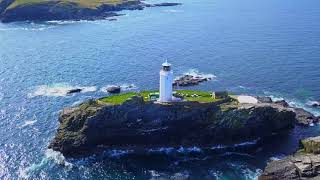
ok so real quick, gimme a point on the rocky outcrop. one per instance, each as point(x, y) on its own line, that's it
point(305, 164)
point(114, 89)
point(76, 90)
point(67, 10)
point(140, 124)
point(305, 118)
point(189, 80)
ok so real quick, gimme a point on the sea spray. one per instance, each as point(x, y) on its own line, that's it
point(58, 89)
point(50, 156)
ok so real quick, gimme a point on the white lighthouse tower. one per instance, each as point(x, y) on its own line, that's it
point(166, 79)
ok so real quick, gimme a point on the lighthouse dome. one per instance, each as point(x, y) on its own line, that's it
point(166, 64)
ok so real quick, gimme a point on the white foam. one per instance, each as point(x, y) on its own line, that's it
point(50, 156)
point(59, 89)
point(172, 11)
point(124, 87)
point(28, 123)
point(196, 73)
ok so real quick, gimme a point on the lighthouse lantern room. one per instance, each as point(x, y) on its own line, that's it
point(166, 79)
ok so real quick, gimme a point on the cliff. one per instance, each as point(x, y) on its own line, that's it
point(305, 164)
point(44, 10)
point(137, 123)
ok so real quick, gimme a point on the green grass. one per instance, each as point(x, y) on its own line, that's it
point(117, 99)
point(202, 96)
point(82, 3)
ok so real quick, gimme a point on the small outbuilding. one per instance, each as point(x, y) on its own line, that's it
point(220, 95)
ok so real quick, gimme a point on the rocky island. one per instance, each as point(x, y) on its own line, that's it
point(45, 10)
point(133, 121)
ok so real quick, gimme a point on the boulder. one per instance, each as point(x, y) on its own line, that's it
point(114, 89)
point(76, 90)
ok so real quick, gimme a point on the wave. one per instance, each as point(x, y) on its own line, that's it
point(1, 96)
point(124, 87)
point(172, 11)
point(295, 103)
point(196, 73)
point(17, 28)
point(50, 156)
point(59, 89)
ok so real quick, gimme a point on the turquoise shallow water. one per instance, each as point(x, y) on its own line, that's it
point(251, 47)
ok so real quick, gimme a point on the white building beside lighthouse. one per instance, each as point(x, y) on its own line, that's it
point(166, 80)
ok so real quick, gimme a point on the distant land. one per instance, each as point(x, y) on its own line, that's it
point(45, 10)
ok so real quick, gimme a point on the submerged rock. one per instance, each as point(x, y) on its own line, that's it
point(140, 124)
point(305, 164)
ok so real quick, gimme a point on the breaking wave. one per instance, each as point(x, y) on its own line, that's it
point(59, 89)
point(196, 73)
point(295, 103)
point(50, 156)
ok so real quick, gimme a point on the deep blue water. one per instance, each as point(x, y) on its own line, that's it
point(267, 47)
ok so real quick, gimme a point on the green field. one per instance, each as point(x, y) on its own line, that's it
point(189, 95)
point(82, 3)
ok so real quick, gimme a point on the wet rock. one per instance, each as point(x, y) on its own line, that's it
point(314, 103)
point(114, 89)
point(71, 91)
point(304, 164)
point(304, 117)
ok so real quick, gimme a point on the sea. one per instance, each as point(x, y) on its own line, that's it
point(266, 48)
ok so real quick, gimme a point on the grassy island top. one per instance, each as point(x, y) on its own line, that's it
point(82, 3)
point(189, 95)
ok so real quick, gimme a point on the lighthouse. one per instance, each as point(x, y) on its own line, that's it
point(166, 79)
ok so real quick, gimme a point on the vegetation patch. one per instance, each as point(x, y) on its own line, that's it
point(188, 95)
point(82, 3)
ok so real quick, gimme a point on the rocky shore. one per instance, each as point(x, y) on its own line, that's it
point(138, 124)
point(46, 10)
point(305, 164)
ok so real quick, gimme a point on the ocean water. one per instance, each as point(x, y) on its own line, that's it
point(266, 47)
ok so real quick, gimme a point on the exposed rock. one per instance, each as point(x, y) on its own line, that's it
point(282, 103)
point(303, 165)
point(71, 91)
point(140, 124)
point(304, 117)
point(314, 103)
point(189, 80)
point(263, 99)
point(114, 89)
point(311, 145)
